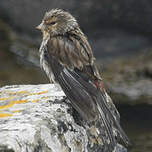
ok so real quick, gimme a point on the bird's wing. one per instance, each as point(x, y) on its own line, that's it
point(63, 58)
point(80, 39)
point(69, 53)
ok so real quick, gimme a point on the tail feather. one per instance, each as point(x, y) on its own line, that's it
point(115, 122)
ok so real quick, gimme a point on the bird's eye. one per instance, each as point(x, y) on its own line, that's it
point(51, 23)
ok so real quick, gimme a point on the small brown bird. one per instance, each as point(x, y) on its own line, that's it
point(67, 59)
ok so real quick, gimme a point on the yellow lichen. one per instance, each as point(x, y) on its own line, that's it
point(36, 100)
point(23, 92)
point(45, 97)
point(2, 115)
point(17, 92)
point(12, 103)
point(16, 111)
point(6, 98)
point(38, 93)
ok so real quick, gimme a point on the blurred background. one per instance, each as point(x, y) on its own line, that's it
point(120, 33)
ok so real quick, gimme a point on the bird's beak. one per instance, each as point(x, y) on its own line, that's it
point(39, 27)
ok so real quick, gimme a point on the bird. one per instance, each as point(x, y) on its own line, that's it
point(67, 58)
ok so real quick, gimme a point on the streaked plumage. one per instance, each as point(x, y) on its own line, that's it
point(67, 59)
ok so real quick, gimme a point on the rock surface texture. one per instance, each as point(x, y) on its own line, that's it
point(33, 118)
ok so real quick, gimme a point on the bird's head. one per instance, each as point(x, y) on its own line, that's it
point(57, 22)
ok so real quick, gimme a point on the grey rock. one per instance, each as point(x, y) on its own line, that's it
point(130, 80)
point(137, 93)
point(136, 90)
point(33, 119)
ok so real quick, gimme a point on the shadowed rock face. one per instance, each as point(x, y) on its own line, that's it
point(33, 119)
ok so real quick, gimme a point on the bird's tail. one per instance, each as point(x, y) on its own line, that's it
point(112, 115)
point(109, 114)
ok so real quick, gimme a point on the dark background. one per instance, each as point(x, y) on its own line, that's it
point(120, 33)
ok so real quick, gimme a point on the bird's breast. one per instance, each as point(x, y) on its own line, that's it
point(44, 62)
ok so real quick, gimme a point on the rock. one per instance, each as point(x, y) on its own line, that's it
point(132, 94)
point(33, 118)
